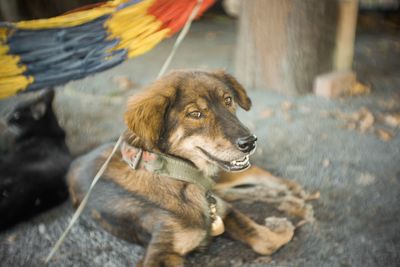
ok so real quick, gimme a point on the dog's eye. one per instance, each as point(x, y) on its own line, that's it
point(16, 115)
point(228, 101)
point(195, 114)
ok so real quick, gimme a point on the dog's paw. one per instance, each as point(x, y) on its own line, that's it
point(279, 225)
point(276, 233)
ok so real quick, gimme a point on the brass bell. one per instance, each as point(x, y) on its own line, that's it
point(217, 226)
point(213, 209)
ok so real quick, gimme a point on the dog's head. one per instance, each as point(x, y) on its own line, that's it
point(191, 115)
point(35, 117)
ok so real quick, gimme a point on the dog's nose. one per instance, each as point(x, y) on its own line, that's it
point(246, 144)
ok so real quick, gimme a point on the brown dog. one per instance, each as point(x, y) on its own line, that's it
point(156, 191)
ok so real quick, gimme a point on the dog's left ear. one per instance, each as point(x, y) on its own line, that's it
point(146, 113)
point(42, 104)
point(239, 92)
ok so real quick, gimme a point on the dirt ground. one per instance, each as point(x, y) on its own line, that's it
point(347, 149)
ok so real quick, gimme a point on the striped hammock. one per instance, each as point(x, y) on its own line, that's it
point(43, 53)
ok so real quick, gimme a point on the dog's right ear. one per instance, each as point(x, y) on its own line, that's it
point(146, 113)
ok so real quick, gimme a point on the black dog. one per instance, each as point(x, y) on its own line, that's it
point(32, 170)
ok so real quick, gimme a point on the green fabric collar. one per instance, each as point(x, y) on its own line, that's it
point(165, 165)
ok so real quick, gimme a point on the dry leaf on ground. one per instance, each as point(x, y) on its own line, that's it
point(384, 135)
point(359, 89)
point(123, 82)
point(392, 119)
point(367, 120)
point(266, 113)
point(286, 105)
point(362, 120)
point(351, 126)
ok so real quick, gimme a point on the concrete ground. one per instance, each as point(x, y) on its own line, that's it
point(330, 146)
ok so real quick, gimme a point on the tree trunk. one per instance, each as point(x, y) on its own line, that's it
point(284, 44)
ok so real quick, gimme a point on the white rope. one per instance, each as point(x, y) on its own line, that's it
point(180, 38)
point(84, 201)
point(82, 205)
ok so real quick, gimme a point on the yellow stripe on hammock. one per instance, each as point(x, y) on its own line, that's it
point(11, 85)
point(148, 43)
point(71, 19)
point(4, 49)
point(10, 66)
point(138, 32)
point(3, 34)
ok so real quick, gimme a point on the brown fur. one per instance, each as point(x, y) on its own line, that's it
point(172, 217)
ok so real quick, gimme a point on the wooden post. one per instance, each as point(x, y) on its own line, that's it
point(346, 33)
point(284, 44)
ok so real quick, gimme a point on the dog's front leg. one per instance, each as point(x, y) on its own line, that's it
point(262, 239)
point(160, 251)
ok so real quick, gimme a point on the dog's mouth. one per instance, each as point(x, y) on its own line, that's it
point(231, 166)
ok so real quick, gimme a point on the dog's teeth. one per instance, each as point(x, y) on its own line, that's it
point(241, 162)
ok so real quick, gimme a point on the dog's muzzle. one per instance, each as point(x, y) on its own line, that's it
point(246, 144)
